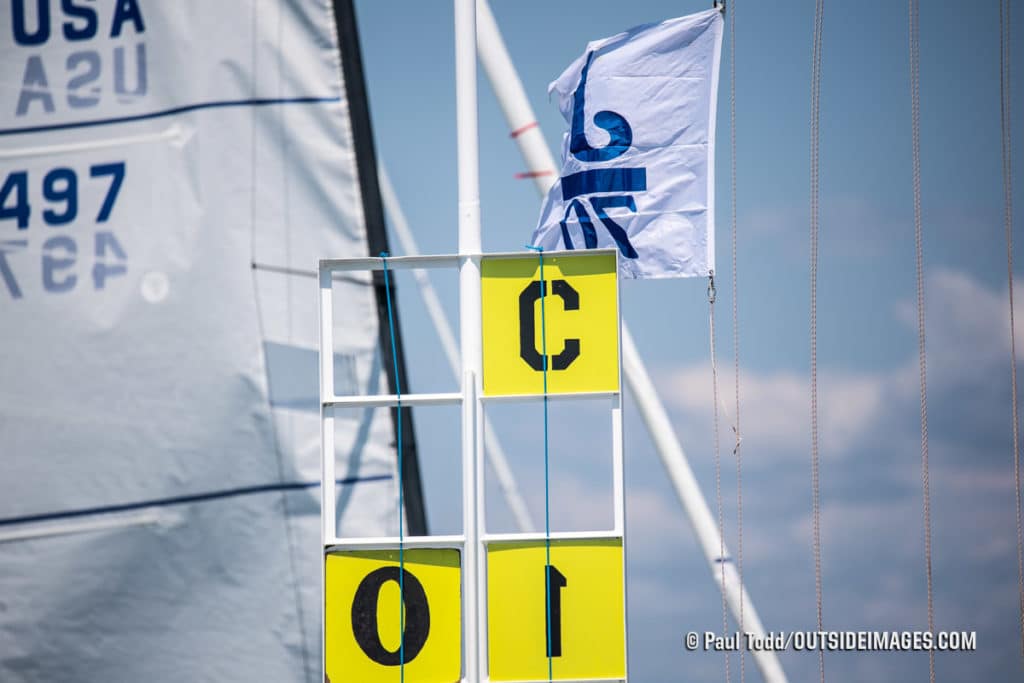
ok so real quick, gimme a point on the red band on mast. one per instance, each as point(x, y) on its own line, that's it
point(522, 129)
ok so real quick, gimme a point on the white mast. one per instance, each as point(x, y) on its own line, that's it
point(469, 325)
point(520, 117)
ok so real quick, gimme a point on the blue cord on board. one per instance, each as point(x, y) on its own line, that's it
point(547, 481)
point(401, 501)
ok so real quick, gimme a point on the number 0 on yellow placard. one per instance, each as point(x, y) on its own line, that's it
point(580, 316)
point(362, 618)
point(588, 620)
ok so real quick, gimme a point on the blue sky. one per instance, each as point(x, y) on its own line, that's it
point(867, 342)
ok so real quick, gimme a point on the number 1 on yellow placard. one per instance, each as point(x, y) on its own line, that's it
point(555, 582)
point(583, 591)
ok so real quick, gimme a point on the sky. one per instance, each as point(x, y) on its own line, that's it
point(871, 480)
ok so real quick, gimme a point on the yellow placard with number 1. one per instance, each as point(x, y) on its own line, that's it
point(588, 610)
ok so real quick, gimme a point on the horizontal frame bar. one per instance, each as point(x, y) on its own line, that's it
point(432, 260)
point(606, 535)
point(388, 400)
point(577, 396)
point(391, 542)
point(561, 680)
point(394, 262)
point(551, 254)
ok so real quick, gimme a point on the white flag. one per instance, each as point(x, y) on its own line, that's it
point(638, 160)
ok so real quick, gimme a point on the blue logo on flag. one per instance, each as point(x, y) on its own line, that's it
point(602, 180)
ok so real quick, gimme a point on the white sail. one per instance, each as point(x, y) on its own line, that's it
point(170, 173)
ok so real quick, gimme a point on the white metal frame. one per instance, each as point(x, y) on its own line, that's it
point(472, 542)
point(468, 261)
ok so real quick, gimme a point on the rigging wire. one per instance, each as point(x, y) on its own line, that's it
point(718, 461)
point(401, 501)
point(735, 324)
point(915, 102)
point(1005, 126)
point(815, 456)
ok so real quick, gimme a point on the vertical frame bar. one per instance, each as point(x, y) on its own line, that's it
point(471, 547)
point(619, 475)
point(480, 512)
point(328, 518)
point(618, 459)
point(327, 477)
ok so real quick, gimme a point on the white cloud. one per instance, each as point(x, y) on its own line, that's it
point(966, 323)
point(853, 224)
point(967, 341)
point(776, 406)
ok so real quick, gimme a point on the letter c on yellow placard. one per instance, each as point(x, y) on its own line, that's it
point(528, 328)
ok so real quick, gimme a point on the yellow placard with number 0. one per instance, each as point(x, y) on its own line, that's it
point(588, 610)
point(362, 620)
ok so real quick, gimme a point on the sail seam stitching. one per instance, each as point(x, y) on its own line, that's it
point(218, 104)
point(186, 499)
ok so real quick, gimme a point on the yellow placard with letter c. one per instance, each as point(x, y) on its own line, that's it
point(578, 309)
